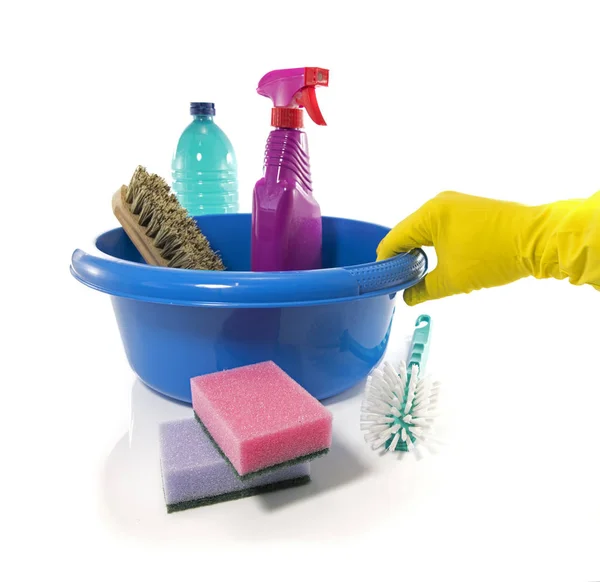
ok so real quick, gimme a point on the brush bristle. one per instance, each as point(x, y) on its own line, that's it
point(398, 411)
point(174, 232)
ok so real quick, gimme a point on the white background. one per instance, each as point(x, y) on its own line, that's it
point(495, 99)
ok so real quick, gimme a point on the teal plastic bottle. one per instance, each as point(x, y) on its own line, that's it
point(204, 166)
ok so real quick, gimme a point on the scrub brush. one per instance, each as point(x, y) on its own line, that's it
point(399, 405)
point(159, 227)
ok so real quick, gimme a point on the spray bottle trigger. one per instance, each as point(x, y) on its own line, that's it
point(307, 98)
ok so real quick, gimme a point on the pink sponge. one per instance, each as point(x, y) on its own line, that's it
point(260, 418)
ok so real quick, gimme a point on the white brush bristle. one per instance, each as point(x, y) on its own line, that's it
point(393, 410)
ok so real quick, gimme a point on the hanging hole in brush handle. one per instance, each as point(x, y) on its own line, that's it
point(399, 272)
point(419, 349)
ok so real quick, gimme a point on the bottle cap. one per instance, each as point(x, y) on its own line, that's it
point(287, 117)
point(202, 108)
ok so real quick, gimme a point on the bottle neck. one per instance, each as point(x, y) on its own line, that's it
point(206, 118)
point(288, 129)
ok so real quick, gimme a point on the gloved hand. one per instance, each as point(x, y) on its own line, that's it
point(482, 243)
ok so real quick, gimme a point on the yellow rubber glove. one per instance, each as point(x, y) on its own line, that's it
point(482, 243)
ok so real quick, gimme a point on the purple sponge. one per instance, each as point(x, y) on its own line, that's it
point(194, 473)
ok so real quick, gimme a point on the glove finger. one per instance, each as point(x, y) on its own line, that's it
point(413, 232)
point(430, 287)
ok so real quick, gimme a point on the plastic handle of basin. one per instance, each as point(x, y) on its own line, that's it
point(240, 288)
point(402, 270)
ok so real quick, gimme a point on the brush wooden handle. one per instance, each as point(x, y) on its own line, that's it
point(143, 243)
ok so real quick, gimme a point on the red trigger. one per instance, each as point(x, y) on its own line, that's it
point(308, 100)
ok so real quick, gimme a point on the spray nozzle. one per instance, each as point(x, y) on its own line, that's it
point(292, 89)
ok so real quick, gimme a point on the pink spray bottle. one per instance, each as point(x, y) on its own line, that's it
point(286, 219)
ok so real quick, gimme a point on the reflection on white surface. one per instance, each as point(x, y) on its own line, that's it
point(132, 483)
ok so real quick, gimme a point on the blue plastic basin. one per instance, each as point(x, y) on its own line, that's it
point(327, 329)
